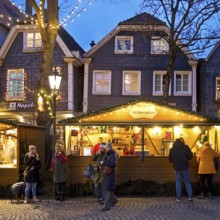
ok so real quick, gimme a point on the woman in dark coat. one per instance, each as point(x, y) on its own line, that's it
point(31, 176)
point(59, 168)
point(109, 177)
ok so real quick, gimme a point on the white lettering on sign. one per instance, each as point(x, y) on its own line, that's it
point(145, 111)
point(25, 105)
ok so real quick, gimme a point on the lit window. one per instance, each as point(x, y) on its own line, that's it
point(217, 89)
point(159, 46)
point(131, 83)
point(182, 83)
point(15, 84)
point(8, 148)
point(123, 44)
point(102, 82)
point(32, 41)
point(159, 78)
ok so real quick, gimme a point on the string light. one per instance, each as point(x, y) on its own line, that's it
point(28, 19)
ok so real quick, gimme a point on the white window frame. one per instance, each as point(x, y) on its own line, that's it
point(25, 43)
point(124, 50)
point(139, 82)
point(160, 50)
point(183, 93)
point(217, 90)
point(107, 92)
point(159, 93)
point(16, 95)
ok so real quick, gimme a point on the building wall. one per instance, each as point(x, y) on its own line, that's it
point(142, 60)
point(208, 72)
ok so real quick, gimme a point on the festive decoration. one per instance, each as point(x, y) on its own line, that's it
point(91, 115)
point(29, 19)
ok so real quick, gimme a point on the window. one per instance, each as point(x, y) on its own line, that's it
point(102, 82)
point(15, 84)
point(32, 41)
point(182, 83)
point(8, 147)
point(131, 83)
point(123, 44)
point(217, 89)
point(159, 82)
point(159, 45)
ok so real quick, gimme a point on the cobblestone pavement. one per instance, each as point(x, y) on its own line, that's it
point(158, 208)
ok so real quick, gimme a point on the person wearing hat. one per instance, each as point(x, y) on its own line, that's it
point(31, 176)
point(109, 177)
point(96, 147)
point(98, 177)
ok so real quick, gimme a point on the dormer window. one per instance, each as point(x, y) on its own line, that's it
point(159, 45)
point(123, 44)
point(32, 41)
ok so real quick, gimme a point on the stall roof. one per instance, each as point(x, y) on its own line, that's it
point(142, 112)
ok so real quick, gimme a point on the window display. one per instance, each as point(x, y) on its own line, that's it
point(8, 149)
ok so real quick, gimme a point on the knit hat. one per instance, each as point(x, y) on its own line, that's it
point(103, 145)
point(109, 145)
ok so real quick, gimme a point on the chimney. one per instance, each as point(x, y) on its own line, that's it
point(92, 43)
point(28, 7)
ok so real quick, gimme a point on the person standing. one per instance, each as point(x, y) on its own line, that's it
point(96, 147)
point(31, 176)
point(59, 168)
point(206, 170)
point(99, 176)
point(109, 177)
point(179, 155)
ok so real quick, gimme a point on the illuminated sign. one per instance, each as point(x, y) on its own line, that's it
point(143, 111)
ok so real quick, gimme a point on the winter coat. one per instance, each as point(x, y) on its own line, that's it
point(59, 168)
point(205, 159)
point(109, 179)
point(99, 176)
point(32, 165)
point(179, 155)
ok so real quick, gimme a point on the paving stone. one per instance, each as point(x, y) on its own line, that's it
point(156, 208)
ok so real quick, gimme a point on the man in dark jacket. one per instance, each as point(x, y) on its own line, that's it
point(109, 177)
point(179, 155)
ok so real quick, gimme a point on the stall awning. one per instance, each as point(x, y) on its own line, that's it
point(142, 112)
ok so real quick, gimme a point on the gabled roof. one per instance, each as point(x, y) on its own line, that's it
point(148, 111)
point(69, 41)
point(143, 19)
point(140, 22)
point(213, 51)
point(8, 10)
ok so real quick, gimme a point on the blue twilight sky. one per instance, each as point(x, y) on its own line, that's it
point(99, 19)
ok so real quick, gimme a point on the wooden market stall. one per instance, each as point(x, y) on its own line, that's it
point(147, 127)
point(15, 137)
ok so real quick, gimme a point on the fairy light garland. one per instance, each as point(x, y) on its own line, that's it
point(28, 19)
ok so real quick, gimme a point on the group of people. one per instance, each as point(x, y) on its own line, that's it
point(179, 155)
point(31, 173)
point(104, 158)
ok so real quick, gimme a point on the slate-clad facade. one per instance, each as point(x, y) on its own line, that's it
point(104, 57)
point(19, 60)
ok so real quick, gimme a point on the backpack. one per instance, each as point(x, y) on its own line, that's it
point(89, 172)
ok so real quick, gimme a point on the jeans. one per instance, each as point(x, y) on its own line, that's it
point(110, 199)
point(203, 178)
point(183, 175)
point(28, 188)
point(99, 191)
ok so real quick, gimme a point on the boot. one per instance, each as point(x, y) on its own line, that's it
point(35, 199)
point(57, 198)
point(61, 197)
point(26, 200)
point(201, 196)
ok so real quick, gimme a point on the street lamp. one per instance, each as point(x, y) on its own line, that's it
point(54, 81)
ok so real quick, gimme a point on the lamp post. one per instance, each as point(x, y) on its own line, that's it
point(54, 82)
